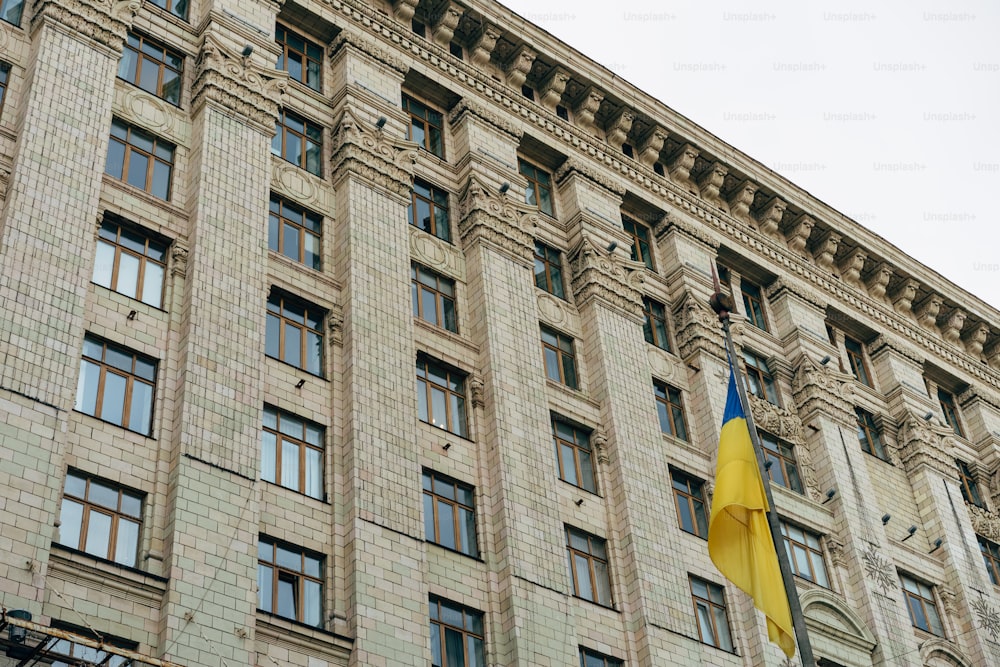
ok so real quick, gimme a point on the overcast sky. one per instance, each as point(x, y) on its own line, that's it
point(887, 111)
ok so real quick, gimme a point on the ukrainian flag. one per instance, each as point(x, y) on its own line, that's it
point(739, 538)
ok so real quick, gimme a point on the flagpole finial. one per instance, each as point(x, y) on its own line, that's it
point(720, 302)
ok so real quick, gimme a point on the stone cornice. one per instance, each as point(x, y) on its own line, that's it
point(497, 220)
point(697, 328)
point(669, 223)
point(105, 21)
point(466, 106)
point(574, 166)
point(598, 274)
point(984, 522)
point(820, 388)
point(779, 287)
point(359, 148)
point(887, 342)
point(926, 443)
point(387, 58)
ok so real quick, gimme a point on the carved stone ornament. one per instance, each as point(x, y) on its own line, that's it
point(740, 200)
point(879, 569)
point(987, 617)
point(335, 322)
point(600, 444)
point(403, 10)
point(947, 599)
point(669, 223)
point(497, 220)
point(798, 233)
point(769, 217)
point(468, 107)
point(927, 311)
point(852, 266)
point(992, 354)
point(478, 390)
point(551, 89)
point(649, 146)
point(238, 84)
point(975, 339)
point(573, 166)
point(902, 298)
point(697, 328)
point(984, 522)
point(926, 443)
point(105, 21)
point(951, 326)
point(519, 65)
point(448, 15)
point(619, 126)
point(836, 550)
point(681, 164)
point(710, 182)
point(179, 260)
point(586, 107)
point(358, 147)
point(826, 249)
point(482, 48)
point(776, 420)
point(823, 389)
point(878, 281)
point(604, 275)
point(346, 38)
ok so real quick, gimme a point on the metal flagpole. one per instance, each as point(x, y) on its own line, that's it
point(722, 304)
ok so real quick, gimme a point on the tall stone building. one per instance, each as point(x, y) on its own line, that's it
point(399, 354)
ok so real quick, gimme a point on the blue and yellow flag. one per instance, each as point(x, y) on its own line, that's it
point(739, 538)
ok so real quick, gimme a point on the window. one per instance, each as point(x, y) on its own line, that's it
point(450, 514)
point(294, 332)
point(805, 555)
point(856, 357)
point(780, 463)
point(759, 378)
point(64, 653)
point(710, 610)
point(300, 57)
point(441, 396)
point(654, 328)
point(428, 210)
point(548, 270)
point(299, 141)
point(292, 452)
point(4, 79)
point(991, 557)
point(588, 566)
point(641, 250)
point(289, 582)
point(153, 67)
point(425, 126)
point(589, 658)
point(689, 494)
point(100, 518)
point(456, 635)
point(753, 304)
point(10, 11)
point(539, 190)
point(140, 159)
point(947, 401)
point(116, 385)
point(670, 409)
point(560, 360)
point(295, 232)
point(433, 297)
point(130, 263)
point(178, 8)
point(920, 604)
point(574, 455)
point(868, 435)
point(970, 490)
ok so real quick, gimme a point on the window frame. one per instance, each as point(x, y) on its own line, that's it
point(760, 379)
point(812, 551)
point(283, 301)
point(471, 620)
point(642, 249)
point(438, 292)
point(153, 157)
point(310, 136)
point(312, 438)
point(564, 349)
point(991, 558)
point(949, 408)
point(6, 7)
point(753, 296)
point(436, 201)
point(430, 120)
point(655, 329)
point(782, 454)
point(670, 410)
point(713, 608)
point(869, 436)
point(692, 496)
point(306, 59)
point(300, 578)
point(587, 657)
point(593, 560)
point(550, 277)
point(90, 506)
point(131, 377)
point(968, 484)
point(171, 6)
point(430, 479)
point(454, 423)
point(926, 601)
point(856, 360)
point(539, 181)
point(277, 223)
point(161, 62)
point(579, 448)
point(110, 234)
point(5, 70)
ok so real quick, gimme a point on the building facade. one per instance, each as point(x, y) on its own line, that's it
point(400, 354)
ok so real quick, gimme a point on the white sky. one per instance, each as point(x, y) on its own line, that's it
point(889, 111)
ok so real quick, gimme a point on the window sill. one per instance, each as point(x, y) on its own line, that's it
point(280, 626)
point(297, 368)
point(146, 197)
point(703, 538)
point(444, 430)
point(297, 166)
point(143, 90)
point(96, 570)
point(478, 559)
point(719, 648)
point(610, 607)
point(580, 488)
point(132, 299)
point(324, 500)
point(433, 236)
point(148, 436)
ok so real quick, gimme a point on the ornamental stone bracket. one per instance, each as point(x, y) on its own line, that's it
point(787, 426)
point(951, 325)
point(819, 388)
point(618, 127)
point(975, 339)
point(497, 220)
point(649, 145)
point(769, 217)
point(797, 234)
point(877, 282)
point(697, 328)
point(741, 199)
point(851, 267)
point(903, 296)
point(710, 183)
point(238, 84)
point(586, 108)
point(403, 10)
point(104, 21)
point(599, 274)
point(360, 148)
point(681, 164)
point(443, 29)
point(482, 49)
point(519, 65)
point(335, 323)
point(550, 90)
point(926, 443)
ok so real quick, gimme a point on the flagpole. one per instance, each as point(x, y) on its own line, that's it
point(722, 304)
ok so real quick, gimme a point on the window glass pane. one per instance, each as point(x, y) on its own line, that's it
point(113, 403)
point(467, 526)
point(264, 587)
point(70, 522)
point(429, 518)
point(116, 159)
point(286, 597)
point(569, 371)
point(454, 651)
point(477, 656)
point(127, 542)
point(312, 604)
point(917, 613)
point(684, 509)
point(722, 626)
point(312, 258)
point(103, 495)
point(569, 465)
point(288, 559)
point(289, 466)
point(705, 624)
point(934, 619)
point(428, 306)
point(104, 264)
point(587, 471)
point(551, 364)
point(293, 345)
point(86, 390)
point(422, 400)
point(161, 180)
point(819, 568)
point(603, 580)
point(152, 284)
point(802, 563)
point(268, 456)
point(171, 88)
point(446, 525)
point(438, 408)
point(141, 408)
point(98, 534)
point(75, 485)
point(126, 66)
point(149, 75)
point(313, 151)
point(435, 642)
point(314, 473)
point(138, 167)
point(581, 566)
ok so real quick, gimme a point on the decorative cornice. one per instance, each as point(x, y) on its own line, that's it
point(780, 286)
point(497, 220)
point(599, 274)
point(741, 199)
point(818, 387)
point(239, 85)
point(669, 223)
point(482, 49)
point(105, 21)
point(466, 106)
point(984, 522)
point(889, 342)
point(359, 148)
point(926, 443)
point(697, 328)
point(348, 38)
point(449, 13)
point(710, 183)
point(573, 166)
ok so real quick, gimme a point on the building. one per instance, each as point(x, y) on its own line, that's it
point(250, 416)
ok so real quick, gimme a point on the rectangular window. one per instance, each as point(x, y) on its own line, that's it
point(428, 210)
point(178, 8)
point(441, 396)
point(150, 65)
point(425, 126)
point(589, 658)
point(294, 332)
point(450, 514)
point(289, 582)
point(539, 190)
point(292, 452)
point(970, 490)
point(548, 270)
point(780, 463)
point(588, 566)
point(10, 11)
point(760, 382)
point(100, 518)
point(64, 652)
point(991, 558)
point(641, 250)
point(130, 262)
point(4, 79)
point(868, 435)
point(710, 611)
point(805, 554)
point(433, 297)
point(300, 57)
point(654, 328)
point(920, 604)
point(689, 494)
point(856, 357)
point(116, 385)
point(140, 159)
point(457, 638)
point(670, 408)
point(753, 304)
point(947, 401)
point(560, 358)
point(299, 141)
point(574, 455)
point(295, 232)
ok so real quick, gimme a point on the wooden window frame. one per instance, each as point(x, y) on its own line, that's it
point(580, 449)
point(7, 7)
point(856, 359)
point(759, 372)
point(969, 486)
point(281, 34)
point(306, 224)
point(430, 119)
point(436, 200)
point(154, 252)
point(432, 481)
point(642, 250)
point(655, 313)
point(279, 305)
point(539, 181)
point(472, 628)
point(5, 68)
point(132, 376)
point(442, 291)
point(310, 136)
point(991, 558)
point(711, 606)
point(592, 556)
point(811, 545)
point(300, 577)
point(88, 506)
point(311, 438)
point(588, 656)
point(563, 347)
point(150, 52)
point(172, 7)
point(782, 454)
point(924, 597)
point(868, 434)
point(670, 410)
point(946, 399)
point(689, 491)
point(549, 270)
point(162, 153)
point(456, 418)
point(753, 303)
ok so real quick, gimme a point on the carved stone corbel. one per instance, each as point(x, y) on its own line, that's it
point(926, 443)
point(482, 49)
point(710, 182)
point(403, 10)
point(497, 220)
point(798, 234)
point(105, 21)
point(519, 65)
point(600, 444)
point(335, 323)
point(586, 107)
point(603, 275)
point(618, 127)
point(951, 326)
point(826, 249)
point(179, 260)
point(851, 267)
point(741, 199)
point(697, 328)
point(992, 354)
point(550, 90)
point(975, 339)
point(448, 14)
point(903, 296)
point(878, 281)
point(649, 145)
point(836, 550)
point(477, 390)
point(238, 84)
point(927, 311)
point(820, 388)
point(769, 217)
point(680, 165)
point(361, 149)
